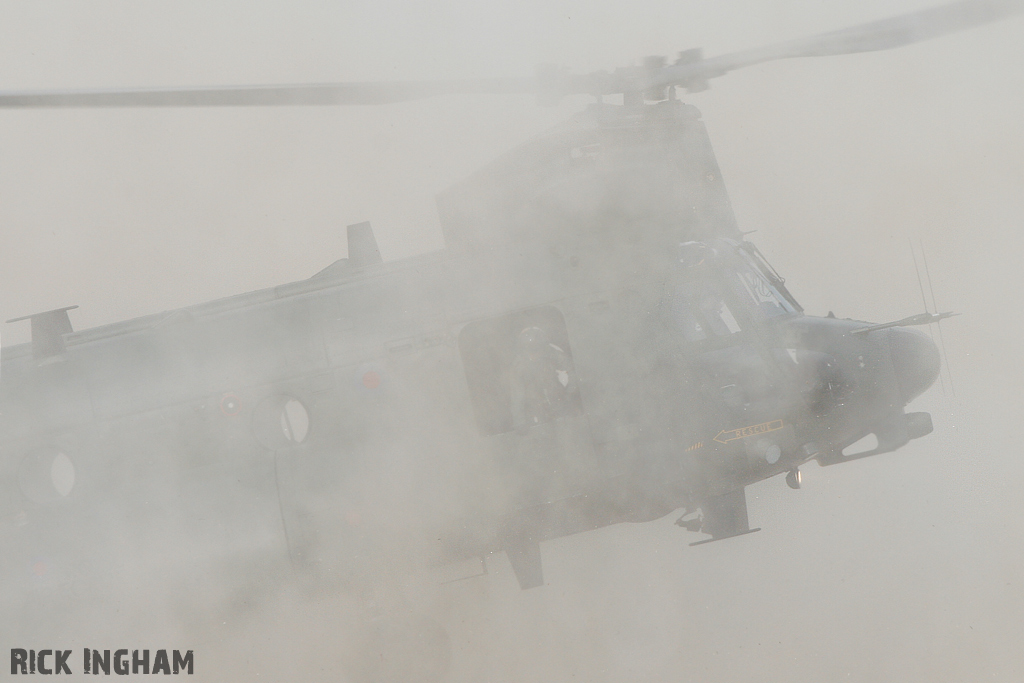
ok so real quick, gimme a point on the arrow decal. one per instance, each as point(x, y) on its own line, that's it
point(727, 435)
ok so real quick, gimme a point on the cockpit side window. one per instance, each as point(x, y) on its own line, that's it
point(697, 310)
point(718, 315)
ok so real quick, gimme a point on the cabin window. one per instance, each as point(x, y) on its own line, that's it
point(519, 370)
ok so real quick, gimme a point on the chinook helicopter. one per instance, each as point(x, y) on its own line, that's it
point(597, 344)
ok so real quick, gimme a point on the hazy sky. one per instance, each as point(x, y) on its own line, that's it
point(909, 566)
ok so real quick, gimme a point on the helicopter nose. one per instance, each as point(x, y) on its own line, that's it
point(915, 359)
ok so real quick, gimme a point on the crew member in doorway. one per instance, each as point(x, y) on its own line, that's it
point(542, 381)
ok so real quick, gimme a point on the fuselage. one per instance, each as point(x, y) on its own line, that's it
point(609, 350)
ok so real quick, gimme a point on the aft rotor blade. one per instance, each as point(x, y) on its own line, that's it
point(266, 95)
point(876, 35)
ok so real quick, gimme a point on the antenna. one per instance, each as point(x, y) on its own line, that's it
point(924, 302)
point(942, 341)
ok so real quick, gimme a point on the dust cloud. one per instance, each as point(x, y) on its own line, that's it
point(905, 566)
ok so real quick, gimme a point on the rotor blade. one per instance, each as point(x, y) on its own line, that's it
point(919, 319)
point(266, 95)
point(876, 35)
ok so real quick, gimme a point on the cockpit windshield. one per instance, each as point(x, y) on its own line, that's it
point(715, 291)
point(760, 290)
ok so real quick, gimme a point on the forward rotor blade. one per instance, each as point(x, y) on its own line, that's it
point(876, 35)
point(266, 95)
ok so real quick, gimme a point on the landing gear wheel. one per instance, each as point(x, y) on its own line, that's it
point(793, 479)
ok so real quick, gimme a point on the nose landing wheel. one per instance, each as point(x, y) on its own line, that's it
point(794, 478)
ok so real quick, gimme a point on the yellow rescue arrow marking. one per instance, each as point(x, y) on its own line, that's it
point(727, 435)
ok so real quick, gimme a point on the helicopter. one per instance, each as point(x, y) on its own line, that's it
point(605, 251)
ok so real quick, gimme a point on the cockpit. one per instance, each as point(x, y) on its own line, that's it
point(721, 288)
point(764, 287)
